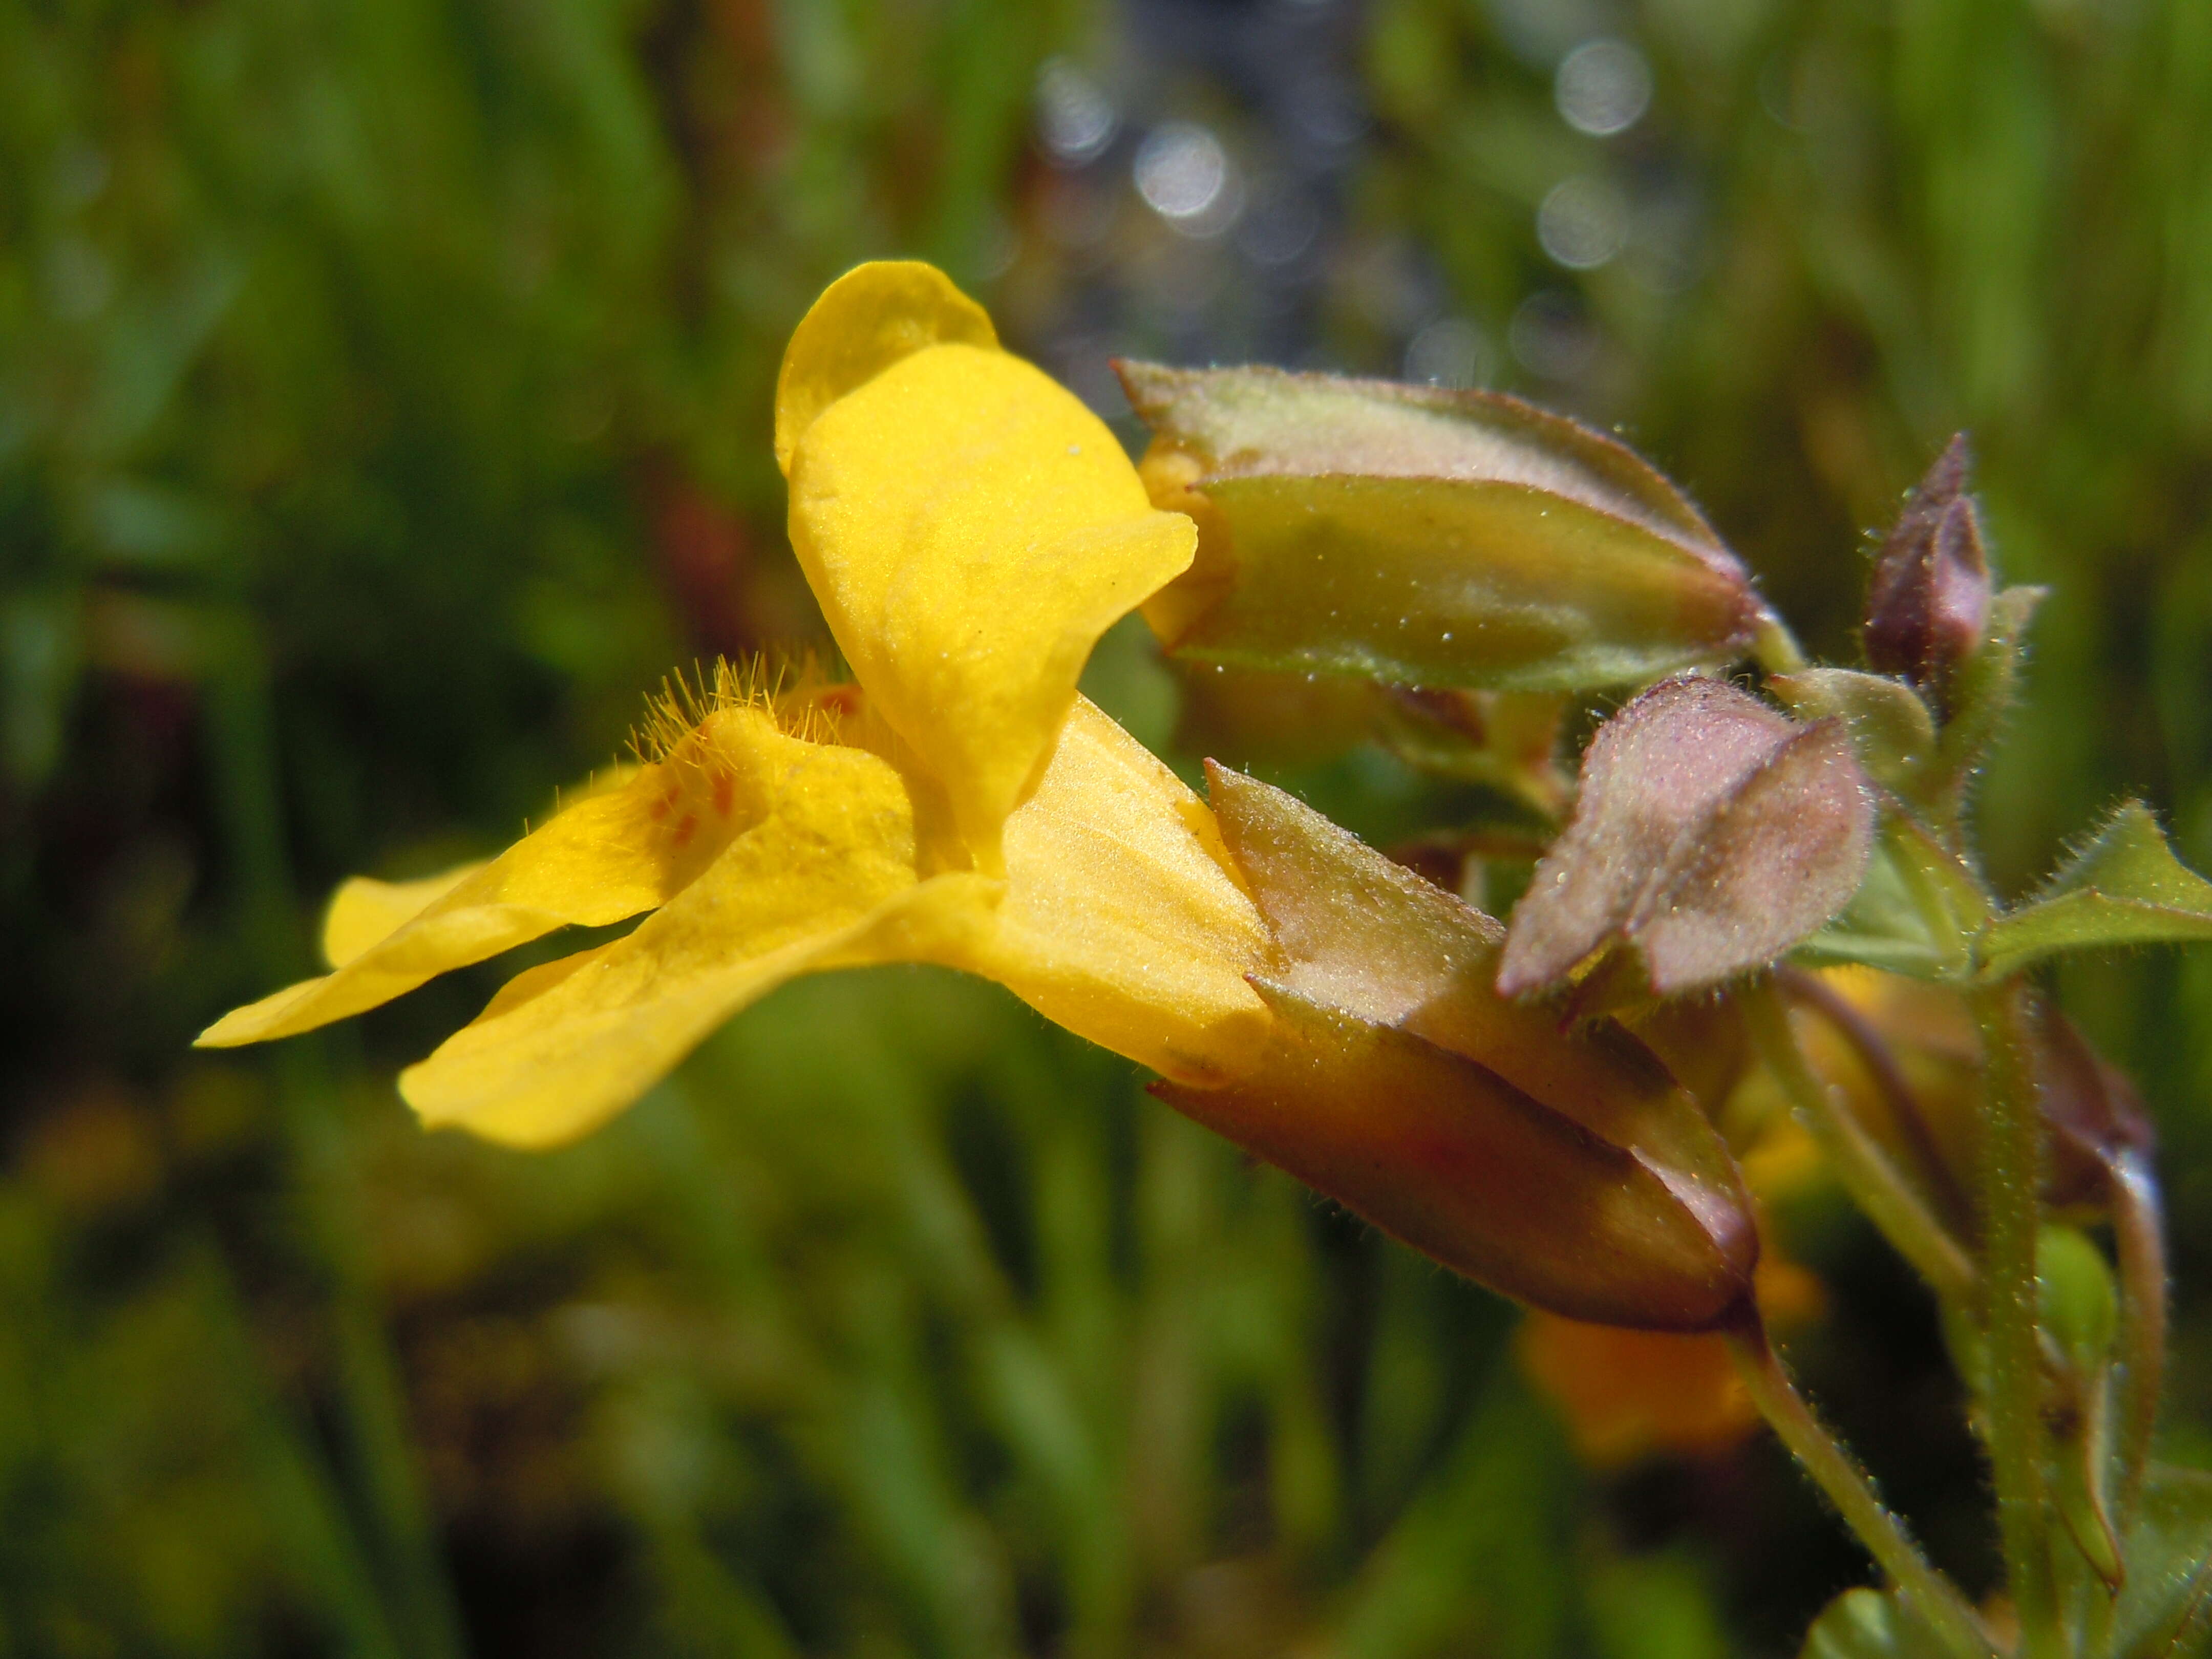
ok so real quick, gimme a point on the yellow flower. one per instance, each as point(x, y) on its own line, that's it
point(970, 530)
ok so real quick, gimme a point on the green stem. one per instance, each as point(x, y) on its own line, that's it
point(1838, 1474)
point(1951, 900)
point(2012, 1139)
point(1873, 1181)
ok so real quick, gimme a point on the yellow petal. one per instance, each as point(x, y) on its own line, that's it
point(825, 879)
point(607, 857)
point(1118, 919)
point(1121, 919)
point(365, 911)
point(866, 321)
point(969, 529)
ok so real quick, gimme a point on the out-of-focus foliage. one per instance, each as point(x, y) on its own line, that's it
point(384, 407)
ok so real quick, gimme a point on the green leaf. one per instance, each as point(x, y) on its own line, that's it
point(1879, 928)
point(2125, 887)
point(1913, 914)
point(1426, 536)
point(1870, 1624)
point(2165, 1610)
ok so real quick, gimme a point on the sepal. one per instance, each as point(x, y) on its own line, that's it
point(1443, 1153)
point(1890, 724)
point(1711, 834)
point(1567, 1169)
point(1980, 694)
point(1426, 537)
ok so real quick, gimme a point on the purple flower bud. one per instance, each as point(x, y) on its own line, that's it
point(1928, 604)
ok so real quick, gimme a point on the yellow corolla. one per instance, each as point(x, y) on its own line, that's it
point(970, 530)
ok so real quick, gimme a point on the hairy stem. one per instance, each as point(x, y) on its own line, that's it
point(1838, 1475)
point(2012, 1137)
point(1873, 1181)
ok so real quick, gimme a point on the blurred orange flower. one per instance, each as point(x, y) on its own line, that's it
point(1625, 1395)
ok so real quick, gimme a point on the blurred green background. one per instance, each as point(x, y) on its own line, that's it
point(384, 409)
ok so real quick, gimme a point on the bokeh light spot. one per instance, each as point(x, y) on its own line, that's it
point(1181, 172)
point(1602, 87)
point(1076, 121)
point(1584, 222)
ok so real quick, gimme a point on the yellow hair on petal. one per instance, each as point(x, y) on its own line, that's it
point(803, 697)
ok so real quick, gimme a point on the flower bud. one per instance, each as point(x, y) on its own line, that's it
point(1928, 604)
point(1711, 834)
point(1426, 537)
point(1567, 1169)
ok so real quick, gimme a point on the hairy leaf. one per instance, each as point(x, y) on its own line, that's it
point(2125, 887)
